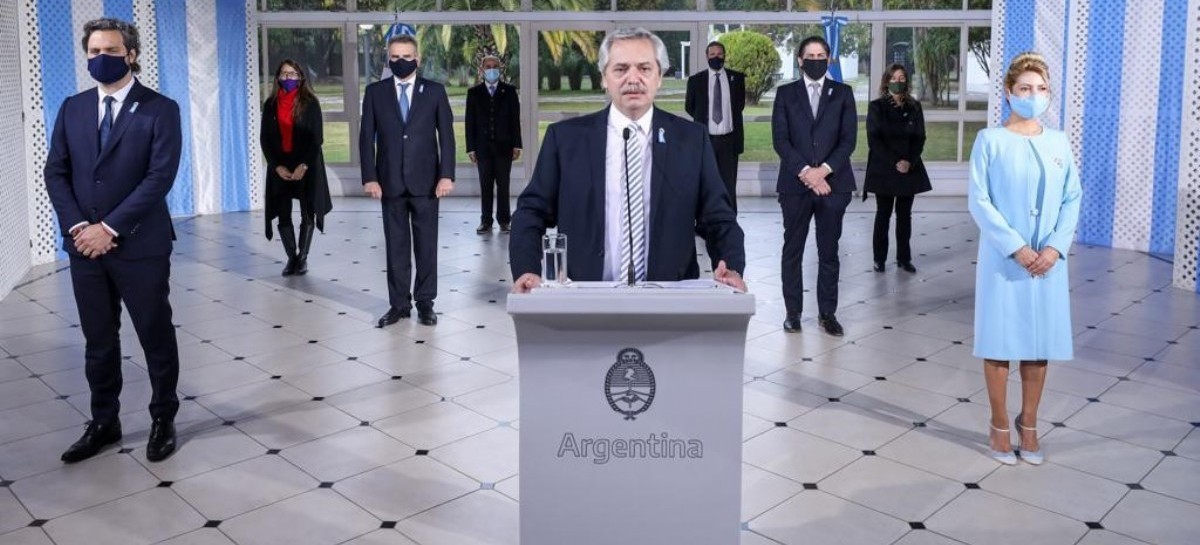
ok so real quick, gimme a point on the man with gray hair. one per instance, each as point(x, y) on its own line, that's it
point(493, 131)
point(644, 176)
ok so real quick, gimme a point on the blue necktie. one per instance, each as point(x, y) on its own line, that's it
point(106, 123)
point(404, 102)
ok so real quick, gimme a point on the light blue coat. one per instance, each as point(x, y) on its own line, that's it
point(1023, 191)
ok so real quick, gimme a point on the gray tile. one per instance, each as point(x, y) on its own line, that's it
point(481, 518)
point(797, 455)
point(816, 517)
point(1176, 477)
point(378, 401)
point(434, 425)
point(852, 426)
point(984, 518)
point(488, 457)
point(1139, 428)
point(26, 536)
point(1056, 488)
point(242, 487)
point(347, 453)
point(339, 521)
point(777, 403)
point(1166, 402)
point(1155, 518)
point(763, 490)
point(426, 483)
point(12, 514)
point(1109, 458)
point(145, 517)
point(82, 485)
point(895, 489)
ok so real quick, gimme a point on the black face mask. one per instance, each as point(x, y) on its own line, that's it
point(814, 68)
point(716, 63)
point(402, 68)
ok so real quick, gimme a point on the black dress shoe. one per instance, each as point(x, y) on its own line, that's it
point(392, 316)
point(830, 324)
point(906, 266)
point(426, 317)
point(506, 228)
point(792, 323)
point(162, 441)
point(95, 437)
point(483, 228)
point(878, 266)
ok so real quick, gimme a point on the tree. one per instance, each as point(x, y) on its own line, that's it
point(979, 41)
point(937, 59)
point(753, 54)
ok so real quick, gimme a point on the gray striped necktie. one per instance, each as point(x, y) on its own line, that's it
point(634, 215)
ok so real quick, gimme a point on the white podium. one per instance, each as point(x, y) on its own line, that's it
point(631, 413)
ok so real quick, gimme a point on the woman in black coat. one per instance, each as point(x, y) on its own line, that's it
point(895, 172)
point(291, 138)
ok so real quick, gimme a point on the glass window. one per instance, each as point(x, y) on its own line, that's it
point(923, 4)
point(569, 82)
point(481, 5)
point(970, 131)
point(979, 53)
point(306, 5)
point(655, 5)
point(572, 5)
point(931, 55)
point(749, 5)
point(979, 4)
point(337, 142)
point(319, 51)
point(941, 141)
point(829, 5)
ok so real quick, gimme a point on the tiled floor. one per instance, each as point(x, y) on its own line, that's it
point(302, 423)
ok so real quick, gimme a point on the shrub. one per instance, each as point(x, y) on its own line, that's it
point(753, 54)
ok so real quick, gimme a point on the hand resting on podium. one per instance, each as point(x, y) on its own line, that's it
point(724, 275)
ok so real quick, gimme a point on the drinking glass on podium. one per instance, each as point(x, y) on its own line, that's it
point(554, 260)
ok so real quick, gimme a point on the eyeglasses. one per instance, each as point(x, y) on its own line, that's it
point(289, 74)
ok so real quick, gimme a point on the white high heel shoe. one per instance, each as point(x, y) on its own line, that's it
point(1035, 457)
point(1007, 458)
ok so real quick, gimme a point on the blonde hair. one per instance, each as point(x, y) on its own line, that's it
point(1028, 61)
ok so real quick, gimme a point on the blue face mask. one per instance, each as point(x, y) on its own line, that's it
point(492, 75)
point(1029, 107)
point(289, 85)
point(107, 69)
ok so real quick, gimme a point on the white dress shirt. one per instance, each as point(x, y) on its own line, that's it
point(726, 124)
point(614, 186)
point(411, 81)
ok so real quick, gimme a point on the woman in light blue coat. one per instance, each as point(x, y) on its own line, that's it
point(1024, 194)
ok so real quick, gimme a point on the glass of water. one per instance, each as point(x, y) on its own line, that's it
point(554, 260)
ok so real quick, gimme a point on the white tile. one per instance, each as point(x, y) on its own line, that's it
point(145, 517)
point(347, 453)
point(1168, 375)
point(488, 457)
point(242, 487)
point(903, 492)
point(252, 400)
point(510, 487)
point(408, 359)
point(852, 426)
point(751, 538)
point(382, 537)
point(1109, 458)
point(37, 454)
point(456, 378)
point(763, 490)
point(336, 378)
point(315, 517)
point(816, 517)
point(481, 518)
point(82, 485)
point(473, 342)
point(924, 537)
point(940, 379)
point(504, 360)
point(434, 425)
point(941, 453)
point(203, 536)
point(1166, 402)
point(377, 401)
point(405, 488)
point(753, 426)
point(500, 402)
point(208, 450)
point(983, 518)
point(1056, 488)
point(16, 393)
point(1176, 477)
point(219, 376)
point(26, 536)
point(1105, 537)
point(12, 514)
point(777, 403)
point(1136, 427)
point(900, 402)
point(258, 342)
point(797, 455)
point(864, 360)
point(296, 360)
point(1155, 518)
point(820, 380)
point(1190, 446)
point(909, 344)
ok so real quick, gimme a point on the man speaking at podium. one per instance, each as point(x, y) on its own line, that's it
point(627, 185)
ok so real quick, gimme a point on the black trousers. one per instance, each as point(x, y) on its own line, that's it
point(495, 165)
point(283, 204)
point(798, 211)
point(101, 285)
point(410, 230)
point(725, 148)
point(883, 216)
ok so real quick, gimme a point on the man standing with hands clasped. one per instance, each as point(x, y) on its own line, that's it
point(406, 143)
point(493, 130)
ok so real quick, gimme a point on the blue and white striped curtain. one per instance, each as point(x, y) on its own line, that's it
point(1118, 74)
point(195, 52)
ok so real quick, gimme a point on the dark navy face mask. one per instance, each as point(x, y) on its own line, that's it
point(402, 68)
point(107, 69)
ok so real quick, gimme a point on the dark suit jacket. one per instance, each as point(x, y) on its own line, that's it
point(308, 134)
point(696, 101)
point(895, 133)
point(406, 158)
point(493, 118)
point(567, 190)
point(800, 140)
point(125, 184)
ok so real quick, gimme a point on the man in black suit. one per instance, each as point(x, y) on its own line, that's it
point(627, 218)
point(113, 157)
point(493, 140)
point(813, 126)
point(716, 98)
point(406, 143)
